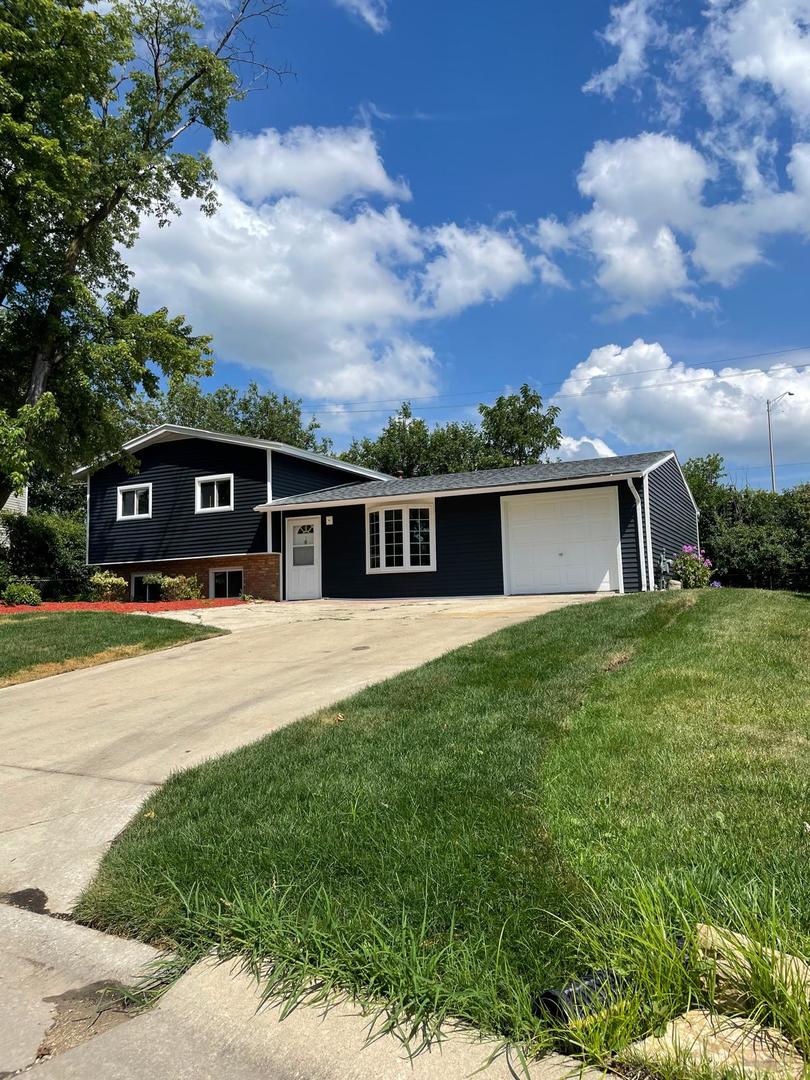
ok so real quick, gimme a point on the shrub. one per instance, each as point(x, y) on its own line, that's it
point(107, 586)
point(180, 587)
point(21, 592)
point(50, 548)
point(691, 567)
point(761, 556)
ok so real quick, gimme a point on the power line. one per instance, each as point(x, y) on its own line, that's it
point(313, 407)
point(787, 368)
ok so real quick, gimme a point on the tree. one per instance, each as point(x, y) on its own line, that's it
point(261, 415)
point(516, 430)
point(93, 109)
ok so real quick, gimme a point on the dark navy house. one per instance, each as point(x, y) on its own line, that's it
point(260, 517)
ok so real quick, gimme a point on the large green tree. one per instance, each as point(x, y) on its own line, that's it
point(515, 430)
point(94, 108)
point(259, 414)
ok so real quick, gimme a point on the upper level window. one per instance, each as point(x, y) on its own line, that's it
point(214, 493)
point(134, 501)
point(400, 538)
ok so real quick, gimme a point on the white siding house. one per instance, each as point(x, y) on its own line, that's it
point(17, 504)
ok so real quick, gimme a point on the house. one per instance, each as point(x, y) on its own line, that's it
point(250, 515)
point(16, 504)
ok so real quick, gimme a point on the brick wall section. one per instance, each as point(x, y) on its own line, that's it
point(261, 572)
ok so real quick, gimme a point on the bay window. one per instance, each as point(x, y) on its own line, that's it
point(400, 539)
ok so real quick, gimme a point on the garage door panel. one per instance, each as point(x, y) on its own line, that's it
point(564, 542)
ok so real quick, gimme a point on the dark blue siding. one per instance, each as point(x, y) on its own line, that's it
point(469, 560)
point(294, 476)
point(174, 530)
point(672, 515)
point(631, 567)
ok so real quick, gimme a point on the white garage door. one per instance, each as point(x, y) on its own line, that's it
point(566, 542)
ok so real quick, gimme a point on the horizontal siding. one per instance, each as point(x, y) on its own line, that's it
point(295, 476)
point(628, 530)
point(18, 504)
point(469, 557)
point(672, 515)
point(175, 530)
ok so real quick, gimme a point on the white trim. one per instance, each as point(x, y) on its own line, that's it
point(505, 546)
point(214, 478)
point(415, 496)
point(223, 570)
point(648, 532)
point(288, 563)
point(185, 558)
point(642, 562)
point(171, 432)
point(406, 568)
point(132, 517)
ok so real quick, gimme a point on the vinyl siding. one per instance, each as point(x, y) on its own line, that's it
point(672, 515)
point(469, 559)
point(175, 531)
point(294, 476)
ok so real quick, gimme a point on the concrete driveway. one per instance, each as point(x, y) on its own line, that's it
point(79, 752)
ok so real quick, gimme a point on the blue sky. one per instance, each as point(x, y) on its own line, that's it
point(448, 200)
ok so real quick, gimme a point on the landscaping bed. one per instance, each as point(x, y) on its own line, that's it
point(572, 792)
point(121, 606)
point(50, 640)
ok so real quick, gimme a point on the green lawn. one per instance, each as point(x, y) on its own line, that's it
point(47, 643)
point(419, 843)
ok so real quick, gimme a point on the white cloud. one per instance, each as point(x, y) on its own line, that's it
point(321, 165)
point(293, 278)
point(586, 447)
point(694, 410)
point(372, 12)
point(631, 30)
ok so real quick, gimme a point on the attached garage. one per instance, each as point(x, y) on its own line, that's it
point(602, 525)
point(562, 542)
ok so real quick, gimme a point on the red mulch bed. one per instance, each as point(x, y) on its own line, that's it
point(113, 605)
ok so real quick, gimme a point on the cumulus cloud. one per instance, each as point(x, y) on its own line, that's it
point(296, 277)
point(631, 29)
point(571, 449)
point(372, 12)
point(692, 409)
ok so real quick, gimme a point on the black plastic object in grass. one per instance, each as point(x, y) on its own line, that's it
point(581, 998)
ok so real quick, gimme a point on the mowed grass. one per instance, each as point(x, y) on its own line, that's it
point(433, 843)
point(47, 643)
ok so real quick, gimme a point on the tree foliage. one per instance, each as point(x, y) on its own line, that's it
point(47, 547)
point(515, 430)
point(252, 412)
point(755, 538)
point(94, 105)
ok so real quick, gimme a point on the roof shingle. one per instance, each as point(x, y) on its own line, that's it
point(482, 478)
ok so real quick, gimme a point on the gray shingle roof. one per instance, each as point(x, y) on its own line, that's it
point(482, 478)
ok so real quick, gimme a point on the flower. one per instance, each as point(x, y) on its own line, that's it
point(688, 549)
point(715, 585)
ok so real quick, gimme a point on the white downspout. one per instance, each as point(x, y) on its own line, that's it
point(639, 531)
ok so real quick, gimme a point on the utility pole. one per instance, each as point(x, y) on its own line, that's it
point(769, 404)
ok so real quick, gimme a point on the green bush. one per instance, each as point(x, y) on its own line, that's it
point(180, 587)
point(21, 592)
point(691, 567)
point(107, 586)
point(49, 548)
point(760, 556)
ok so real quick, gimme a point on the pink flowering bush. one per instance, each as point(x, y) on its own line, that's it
point(691, 567)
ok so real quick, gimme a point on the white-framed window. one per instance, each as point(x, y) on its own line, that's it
point(134, 501)
point(213, 493)
point(226, 582)
point(400, 538)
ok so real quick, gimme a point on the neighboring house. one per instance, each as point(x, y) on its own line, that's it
point(280, 523)
point(18, 504)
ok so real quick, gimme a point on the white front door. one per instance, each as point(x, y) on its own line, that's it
point(566, 542)
point(303, 558)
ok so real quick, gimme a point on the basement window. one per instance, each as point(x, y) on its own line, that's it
point(400, 539)
point(134, 501)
